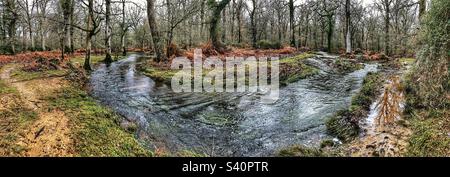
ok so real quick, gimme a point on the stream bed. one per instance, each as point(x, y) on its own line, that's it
point(228, 124)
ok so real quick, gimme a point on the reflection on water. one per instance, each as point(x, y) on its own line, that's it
point(225, 124)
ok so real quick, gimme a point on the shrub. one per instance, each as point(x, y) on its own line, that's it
point(301, 151)
point(265, 44)
point(343, 126)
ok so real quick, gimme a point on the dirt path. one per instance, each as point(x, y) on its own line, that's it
point(382, 139)
point(49, 134)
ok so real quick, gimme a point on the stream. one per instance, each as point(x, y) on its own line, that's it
point(226, 124)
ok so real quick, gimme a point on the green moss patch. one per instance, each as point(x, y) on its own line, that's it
point(347, 65)
point(297, 58)
point(430, 136)
point(5, 89)
point(95, 59)
point(21, 75)
point(345, 124)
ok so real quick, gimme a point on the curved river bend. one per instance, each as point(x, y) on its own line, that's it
point(225, 124)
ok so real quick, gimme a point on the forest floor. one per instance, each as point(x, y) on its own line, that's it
point(43, 115)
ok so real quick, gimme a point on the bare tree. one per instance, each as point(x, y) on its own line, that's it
point(292, 21)
point(108, 29)
point(28, 8)
point(348, 40)
point(217, 8)
point(156, 35)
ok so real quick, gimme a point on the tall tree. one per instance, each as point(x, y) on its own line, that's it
point(348, 40)
point(385, 6)
point(124, 28)
point(11, 16)
point(217, 8)
point(28, 8)
point(92, 28)
point(327, 11)
point(66, 8)
point(253, 25)
point(108, 29)
point(158, 42)
point(292, 21)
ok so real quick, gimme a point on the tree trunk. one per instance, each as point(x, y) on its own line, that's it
point(124, 30)
point(239, 20)
point(66, 7)
point(422, 8)
point(108, 29)
point(87, 59)
point(89, 34)
point(387, 26)
point(12, 22)
point(202, 17)
point(72, 28)
point(330, 32)
point(224, 25)
point(253, 24)
point(292, 21)
point(215, 19)
point(348, 41)
point(156, 36)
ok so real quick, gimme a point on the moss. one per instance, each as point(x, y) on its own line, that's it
point(347, 66)
point(297, 58)
point(301, 151)
point(408, 61)
point(430, 134)
point(265, 44)
point(26, 76)
point(217, 119)
point(96, 128)
point(5, 89)
point(161, 75)
point(306, 71)
point(343, 126)
point(345, 123)
point(95, 59)
point(326, 143)
point(293, 69)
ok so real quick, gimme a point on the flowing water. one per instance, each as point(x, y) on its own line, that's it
point(226, 124)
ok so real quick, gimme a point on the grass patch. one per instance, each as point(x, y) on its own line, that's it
point(161, 75)
point(5, 89)
point(347, 66)
point(95, 59)
point(301, 151)
point(345, 124)
point(26, 76)
point(303, 73)
point(96, 128)
point(297, 58)
point(408, 61)
point(430, 136)
point(292, 70)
